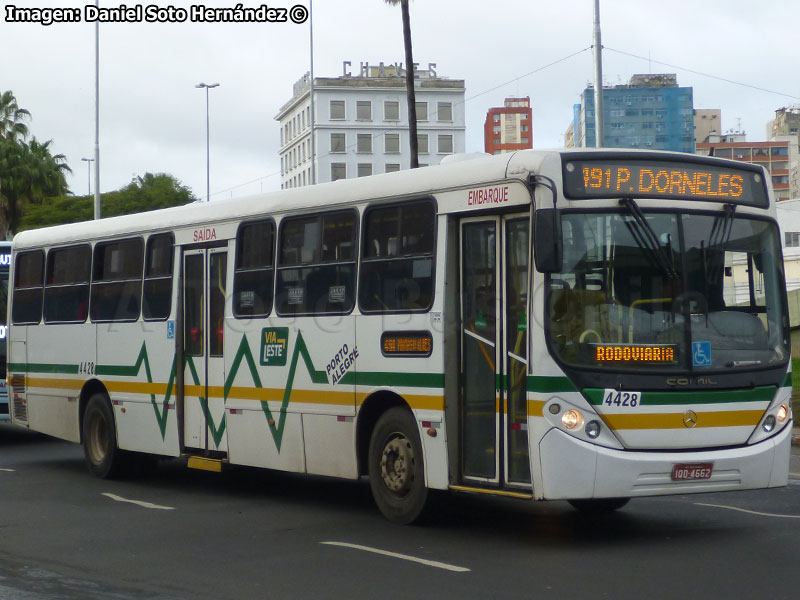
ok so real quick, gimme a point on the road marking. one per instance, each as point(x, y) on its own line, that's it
point(794, 475)
point(137, 502)
point(430, 563)
point(7, 470)
point(750, 512)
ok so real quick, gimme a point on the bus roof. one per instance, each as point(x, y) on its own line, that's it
point(454, 174)
point(311, 198)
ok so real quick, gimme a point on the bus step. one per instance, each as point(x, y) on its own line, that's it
point(205, 464)
point(506, 493)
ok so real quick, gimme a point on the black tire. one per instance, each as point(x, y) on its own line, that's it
point(598, 506)
point(396, 467)
point(103, 457)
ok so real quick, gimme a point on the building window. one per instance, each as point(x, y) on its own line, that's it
point(338, 171)
point(445, 144)
point(422, 111)
point(422, 143)
point(337, 109)
point(364, 169)
point(391, 110)
point(525, 140)
point(392, 167)
point(496, 130)
point(364, 142)
point(391, 143)
point(364, 110)
point(337, 142)
point(496, 118)
point(445, 111)
point(792, 239)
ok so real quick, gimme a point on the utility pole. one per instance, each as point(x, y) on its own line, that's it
point(97, 116)
point(599, 120)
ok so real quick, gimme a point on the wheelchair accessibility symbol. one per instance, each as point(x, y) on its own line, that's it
point(701, 354)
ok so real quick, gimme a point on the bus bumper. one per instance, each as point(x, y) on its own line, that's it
point(573, 469)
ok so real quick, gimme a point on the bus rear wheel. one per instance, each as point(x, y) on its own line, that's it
point(103, 457)
point(396, 467)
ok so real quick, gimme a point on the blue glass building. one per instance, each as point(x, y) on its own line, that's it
point(651, 112)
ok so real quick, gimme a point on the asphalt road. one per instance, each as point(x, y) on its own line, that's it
point(250, 534)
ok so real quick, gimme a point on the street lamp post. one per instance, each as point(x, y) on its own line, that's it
point(207, 87)
point(89, 162)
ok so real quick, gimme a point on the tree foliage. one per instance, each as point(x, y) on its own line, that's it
point(145, 193)
point(29, 173)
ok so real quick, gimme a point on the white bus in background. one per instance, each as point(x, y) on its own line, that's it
point(542, 325)
point(5, 266)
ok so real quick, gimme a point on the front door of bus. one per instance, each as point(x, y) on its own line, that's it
point(494, 349)
point(204, 276)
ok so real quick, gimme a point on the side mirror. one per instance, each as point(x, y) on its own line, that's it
point(547, 240)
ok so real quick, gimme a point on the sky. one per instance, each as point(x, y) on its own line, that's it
point(738, 56)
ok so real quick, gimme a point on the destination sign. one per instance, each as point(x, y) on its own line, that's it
point(611, 178)
point(634, 353)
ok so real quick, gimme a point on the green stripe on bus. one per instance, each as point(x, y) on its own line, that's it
point(549, 385)
point(787, 381)
point(375, 379)
point(759, 394)
point(42, 368)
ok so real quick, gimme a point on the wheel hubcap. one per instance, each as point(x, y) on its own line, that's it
point(397, 464)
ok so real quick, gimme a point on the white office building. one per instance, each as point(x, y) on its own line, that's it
point(360, 123)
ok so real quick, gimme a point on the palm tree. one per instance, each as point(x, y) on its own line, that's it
point(12, 118)
point(412, 98)
point(28, 174)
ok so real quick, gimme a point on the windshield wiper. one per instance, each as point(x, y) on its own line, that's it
point(647, 239)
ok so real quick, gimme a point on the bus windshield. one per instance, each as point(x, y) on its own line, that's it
point(668, 292)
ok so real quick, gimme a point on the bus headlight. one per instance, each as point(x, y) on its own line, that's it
point(572, 419)
point(783, 413)
point(592, 429)
point(768, 424)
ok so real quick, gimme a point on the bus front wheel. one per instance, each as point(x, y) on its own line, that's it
point(103, 456)
point(396, 467)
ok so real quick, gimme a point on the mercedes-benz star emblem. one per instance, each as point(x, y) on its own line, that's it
point(690, 418)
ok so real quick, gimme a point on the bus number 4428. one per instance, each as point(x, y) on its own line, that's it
point(618, 398)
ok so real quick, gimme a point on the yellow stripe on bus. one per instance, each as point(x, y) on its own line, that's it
point(536, 408)
point(729, 418)
point(53, 383)
point(327, 397)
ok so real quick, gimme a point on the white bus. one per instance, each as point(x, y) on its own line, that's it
point(5, 266)
point(542, 325)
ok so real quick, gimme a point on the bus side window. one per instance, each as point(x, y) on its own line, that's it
point(255, 267)
point(317, 268)
point(396, 271)
point(26, 308)
point(117, 280)
point(66, 295)
point(157, 300)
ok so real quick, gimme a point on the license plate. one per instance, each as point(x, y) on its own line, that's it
point(684, 472)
